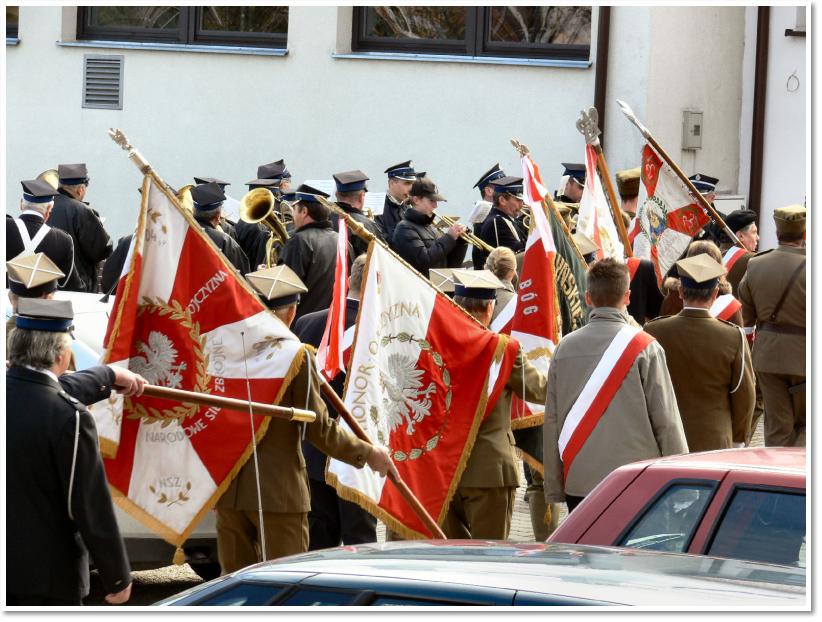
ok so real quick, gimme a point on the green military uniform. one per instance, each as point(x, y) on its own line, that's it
point(779, 348)
point(710, 366)
point(483, 503)
point(283, 481)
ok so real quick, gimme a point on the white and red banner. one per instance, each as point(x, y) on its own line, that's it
point(330, 353)
point(725, 306)
point(667, 216)
point(598, 391)
point(595, 219)
point(731, 256)
point(422, 377)
point(185, 319)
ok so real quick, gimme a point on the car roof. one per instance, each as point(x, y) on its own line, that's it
point(602, 574)
point(783, 459)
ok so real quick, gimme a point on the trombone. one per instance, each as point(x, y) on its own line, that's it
point(260, 206)
point(446, 221)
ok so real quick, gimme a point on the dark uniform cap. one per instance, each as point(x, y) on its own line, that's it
point(37, 191)
point(495, 172)
point(271, 184)
point(211, 180)
point(442, 279)
point(575, 171)
point(700, 271)
point(479, 284)
point(274, 170)
point(279, 285)
point(31, 276)
point(207, 196)
point(704, 183)
point(509, 185)
point(72, 174)
point(585, 244)
point(285, 174)
point(739, 219)
point(628, 183)
point(350, 181)
point(40, 314)
point(304, 193)
point(403, 171)
point(426, 187)
point(790, 219)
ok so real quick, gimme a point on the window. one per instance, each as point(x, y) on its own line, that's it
point(670, 522)
point(12, 21)
point(762, 525)
point(561, 32)
point(247, 26)
point(243, 595)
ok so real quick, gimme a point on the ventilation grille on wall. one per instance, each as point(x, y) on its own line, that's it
point(103, 81)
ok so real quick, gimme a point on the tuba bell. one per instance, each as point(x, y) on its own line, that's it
point(184, 196)
point(260, 206)
point(51, 177)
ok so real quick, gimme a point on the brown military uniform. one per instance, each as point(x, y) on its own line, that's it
point(779, 347)
point(483, 503)
point(710, 366)
point(737, 271)
point(283, 481)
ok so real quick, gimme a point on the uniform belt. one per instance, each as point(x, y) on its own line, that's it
point(785, 329)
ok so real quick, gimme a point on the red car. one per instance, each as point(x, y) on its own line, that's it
point(735, 503)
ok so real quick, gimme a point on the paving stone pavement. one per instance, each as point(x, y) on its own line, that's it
point(521, 530)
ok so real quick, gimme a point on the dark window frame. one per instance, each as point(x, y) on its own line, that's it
point(475, 44)
point(188, 32)
point(13, 32)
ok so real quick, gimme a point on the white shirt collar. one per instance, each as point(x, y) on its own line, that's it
point(48, 372)
point(33, 212)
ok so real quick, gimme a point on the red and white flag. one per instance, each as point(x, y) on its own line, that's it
point(423, 375)
point(330, 353)
point(668, 217)
point(725, 306)
point(595, 219)
point(184, 318)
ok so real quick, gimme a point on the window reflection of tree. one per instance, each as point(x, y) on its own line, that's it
point(162, 17)
point(271, 19)
point(541, 24)
point(419, 22)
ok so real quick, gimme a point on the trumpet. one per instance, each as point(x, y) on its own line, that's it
point(446, 222)
point(526, 216)
point(260, 206)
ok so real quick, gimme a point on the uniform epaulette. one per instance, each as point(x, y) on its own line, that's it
point(731, 324)
point(659, 317)
point(71, 400)
point(760, 253)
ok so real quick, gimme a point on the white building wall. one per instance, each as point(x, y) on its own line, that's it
point(221, 115)
point(785, 147)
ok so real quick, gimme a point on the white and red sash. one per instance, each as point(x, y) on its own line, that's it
point(725, 306)
point(598, 392)
point(502, 323)
point(731, 256)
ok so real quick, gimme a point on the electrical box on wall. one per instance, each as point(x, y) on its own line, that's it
point(691, 130)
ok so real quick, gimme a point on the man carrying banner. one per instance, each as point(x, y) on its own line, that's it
point(483, 503)
point(610, 398)
point(710, 354)
point(284, 494)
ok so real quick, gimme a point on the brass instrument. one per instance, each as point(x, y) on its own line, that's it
point(260, 206)
point(526, 216)
point(468, 236)
point(184, 196)
point(51, 177)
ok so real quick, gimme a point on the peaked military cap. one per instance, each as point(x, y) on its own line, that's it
point(704, 183)
point(304, 193)
point(480, 284)
point(207, 196)
point(271, 184)
point(31, 276)
point(509, 185)
point(41, 314)
point(350, 181)
point(700, 271)
point(495, 172)
point(739, 219)
point(211, 180)
point(403, 171)
point(585, 244)
point(426, 187)
point(279, 285)
point(38, 191)
point(790, 219)
point(628, 182)
point(274, 170)
point(285, 174)
point(574, 171)
point(72, 174)
point(442, 279)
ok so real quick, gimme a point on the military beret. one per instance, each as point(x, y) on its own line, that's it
point(739, 219)
point(628, 182)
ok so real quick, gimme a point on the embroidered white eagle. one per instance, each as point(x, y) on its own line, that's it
point(157, 366)
point(403, 396)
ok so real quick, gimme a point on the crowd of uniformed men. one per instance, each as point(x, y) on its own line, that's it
point(699, 385)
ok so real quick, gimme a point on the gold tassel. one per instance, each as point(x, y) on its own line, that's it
point(179, 557)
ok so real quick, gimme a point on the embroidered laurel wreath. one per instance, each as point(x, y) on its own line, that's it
point(431, 442)
point(177, 313)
